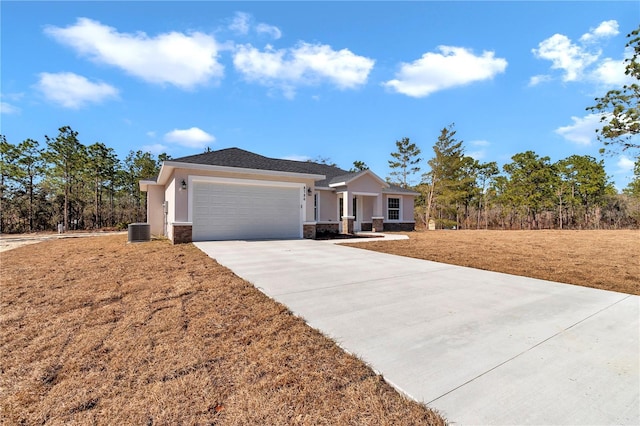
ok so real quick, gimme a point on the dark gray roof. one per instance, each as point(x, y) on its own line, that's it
point(395, 189)
point(236, 157)
point(345, 177)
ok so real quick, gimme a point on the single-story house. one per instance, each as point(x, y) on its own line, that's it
point(232, 194)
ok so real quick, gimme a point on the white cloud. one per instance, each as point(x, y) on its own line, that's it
point(240, 23)
point(269, 30)
point(191, 138)
point(452, 67)
point(582, 61)
point(305, 64)
point(610, 72)
point(565, 55)
point(605, 29)
point(7, 108)
point(540, 78)
point(478, 154)
point(297, 157)
point(156, 148)
point(583, 129)
point(72, 90)
point(184, 60)
point(151, 134)
point(625, 164)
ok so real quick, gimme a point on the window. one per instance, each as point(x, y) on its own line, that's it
point(355, 207)
point(315, 207)
point(393, 208)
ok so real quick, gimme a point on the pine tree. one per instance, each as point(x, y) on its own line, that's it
point(29, 167)
point(446, 181)
point(8, 157)
point(405, 162)
point(65, 154)
point(618, 109)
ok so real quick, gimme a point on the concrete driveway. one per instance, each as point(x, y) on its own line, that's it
point(480, 347)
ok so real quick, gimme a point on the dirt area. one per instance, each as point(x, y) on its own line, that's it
point(607, 260)
point(98, 331)
point(10, 241)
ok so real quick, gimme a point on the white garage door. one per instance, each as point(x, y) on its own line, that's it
point(229, 211)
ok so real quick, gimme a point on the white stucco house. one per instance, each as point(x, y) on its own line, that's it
point(232, 194)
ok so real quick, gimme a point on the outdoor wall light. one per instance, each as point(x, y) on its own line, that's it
point(309, 191)
point(183, 185)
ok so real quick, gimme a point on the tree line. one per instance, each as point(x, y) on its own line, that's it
point(530, 192)
point(69, 183)
point(89, 187)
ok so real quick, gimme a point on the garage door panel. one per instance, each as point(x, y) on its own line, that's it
point(224, 211)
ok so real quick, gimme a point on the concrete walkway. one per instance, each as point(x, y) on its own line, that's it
point(480, 347)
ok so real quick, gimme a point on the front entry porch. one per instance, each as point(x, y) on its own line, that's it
point(362, 212)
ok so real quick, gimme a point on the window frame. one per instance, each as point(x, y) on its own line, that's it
point(396, 210)
point(316, 206)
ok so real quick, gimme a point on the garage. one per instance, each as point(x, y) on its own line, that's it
point(232, 209)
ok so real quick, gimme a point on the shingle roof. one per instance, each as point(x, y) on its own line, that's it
point(236, 157)
point(395, 189)
point(344, 178)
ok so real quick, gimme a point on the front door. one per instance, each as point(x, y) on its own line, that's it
point(357, 214)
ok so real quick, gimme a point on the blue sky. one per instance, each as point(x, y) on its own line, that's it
point(303, 80)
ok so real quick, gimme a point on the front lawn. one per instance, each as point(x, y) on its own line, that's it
point(97, 331)
point(608, 260)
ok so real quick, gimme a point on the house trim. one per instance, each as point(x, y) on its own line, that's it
point(400, 210)
point(365, 194)
point(345, 182)
point(169, 166)
point(407, 192)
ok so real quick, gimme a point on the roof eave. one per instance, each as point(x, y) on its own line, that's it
point(358, 176)
point(405, 192)
point(169, 166)
point(144, 184)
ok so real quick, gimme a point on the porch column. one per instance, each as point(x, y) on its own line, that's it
point(377, 209)
point(347, 214)
point(377, 221)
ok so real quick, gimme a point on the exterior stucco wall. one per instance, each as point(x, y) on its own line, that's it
point(179, 208)
point(328, 207)
point(181, 196)
point(367, 208)
point(308, 200)
point(365, 183)
point(178, 199)
point(407, 208)
point(169, 196)
point(236, 175)
point(155, 210)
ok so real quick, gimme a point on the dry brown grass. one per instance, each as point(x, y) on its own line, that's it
point(98, 331)
point(608, 260)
